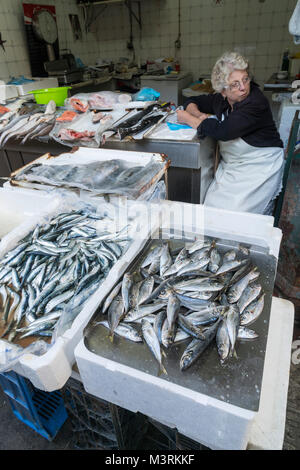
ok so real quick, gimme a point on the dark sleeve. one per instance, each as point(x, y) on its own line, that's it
point(206, 103)
point(239, 123)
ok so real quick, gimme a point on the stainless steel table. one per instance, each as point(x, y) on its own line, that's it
point(189, 175)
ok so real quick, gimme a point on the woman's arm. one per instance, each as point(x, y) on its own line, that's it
point(185, 117)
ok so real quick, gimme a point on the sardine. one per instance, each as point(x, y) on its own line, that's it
point(229, 266)
point(223, 341)
point(145, 289)
point(235, 291)
point(127, 284)
point(232, 321)
point(246, 334)
point(190, 328)
point(252, 311)
point(249, 295)
point(143, 310)
point(165, 260)
point(115, 314)
point(111, 296)
point(198, 245)
point(197, 346)
point(153, 344)
point(215, 261)
point(125, 331)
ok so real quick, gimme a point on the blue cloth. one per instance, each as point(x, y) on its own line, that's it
point(175, 127)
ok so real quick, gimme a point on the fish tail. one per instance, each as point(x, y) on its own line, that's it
point(162, 370)
point(233, 353)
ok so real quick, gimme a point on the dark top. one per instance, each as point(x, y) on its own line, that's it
point(250, 119)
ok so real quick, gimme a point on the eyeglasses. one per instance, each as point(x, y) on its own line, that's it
point(237, 85)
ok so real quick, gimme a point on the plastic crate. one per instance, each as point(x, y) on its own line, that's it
point(98, 424)
point(42, 411)
point(164, 438)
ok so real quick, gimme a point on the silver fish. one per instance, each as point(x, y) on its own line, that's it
point(236, 290)
point(252, 311)
point(115, 314)
point(223, 341)
point(145, 289)
point(142, 310)
point(111, 296)
point(190, 328)
point(153, 344)
point(158, 324)
point(183, 254)
point(175, 267)
point(125, 331)
point(250, 293)
point(165, 259)
point(229, 256)
point(200, 285)
point(198, 244)
point(127, 284)
point(246, 334)
point(215, 261)
point(232, 321)
point(154, 254)
point(194, 265)
point(173, 308)
point(229, 266)
point(197, 346)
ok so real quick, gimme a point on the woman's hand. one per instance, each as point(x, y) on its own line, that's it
point(185, 117)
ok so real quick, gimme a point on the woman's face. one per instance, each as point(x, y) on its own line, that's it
point(238, 87)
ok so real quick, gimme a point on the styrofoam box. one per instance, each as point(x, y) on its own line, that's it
point(7, 92)
point(48, 82)
point(214, 423)
point(51, 370)
point(88, 155)
point(16, 207)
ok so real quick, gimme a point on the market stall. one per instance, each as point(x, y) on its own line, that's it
point(192, 160)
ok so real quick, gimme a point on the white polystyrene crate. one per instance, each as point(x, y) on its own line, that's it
point(88, 155)
point(239, 227)
point(16, 207)
point(37, 84)
point(213, 422)
point(8, 92)
point(51, 370)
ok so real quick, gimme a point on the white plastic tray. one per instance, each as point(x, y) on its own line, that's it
point(207, 419)
point(51, 370)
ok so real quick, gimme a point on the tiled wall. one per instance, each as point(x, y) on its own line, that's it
point(259, 29)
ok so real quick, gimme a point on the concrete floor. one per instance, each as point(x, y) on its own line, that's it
point(15, 435)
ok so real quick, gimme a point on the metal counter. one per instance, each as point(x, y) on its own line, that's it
point(189, 175)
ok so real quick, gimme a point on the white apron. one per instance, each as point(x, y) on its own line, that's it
point(247, 179)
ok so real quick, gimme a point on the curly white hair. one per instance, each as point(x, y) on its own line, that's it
point(224, 66)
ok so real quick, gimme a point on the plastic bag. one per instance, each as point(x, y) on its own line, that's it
point(155, 193)
point(146, 94)
point(114, 176)
point(83, 130)
point(97, 100)
point(10, 353)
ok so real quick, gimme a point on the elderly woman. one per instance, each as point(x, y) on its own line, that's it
point(239, 117)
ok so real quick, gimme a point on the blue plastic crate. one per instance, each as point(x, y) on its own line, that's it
point(44, 412)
